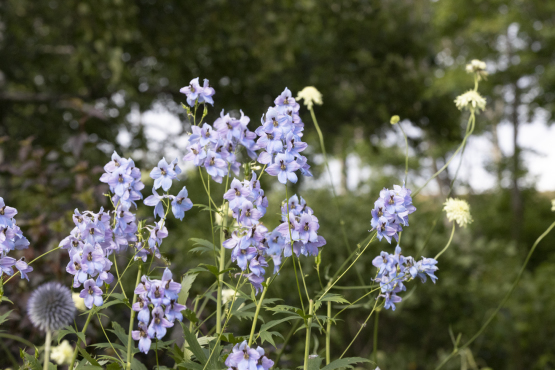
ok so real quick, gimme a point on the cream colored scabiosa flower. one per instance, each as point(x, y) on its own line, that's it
point(478, 67)
point(471, 100)
point(227, 295)
point(553, 205)
point(62, 354)
point(458, 210)
point(78, 301)
point(310, 95)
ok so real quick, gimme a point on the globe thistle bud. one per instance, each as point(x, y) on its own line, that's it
point(458, 210)
point(51, 307)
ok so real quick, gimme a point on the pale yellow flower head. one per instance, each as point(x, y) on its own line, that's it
point(62, 354)
point(394, 119)
point(310, 95)
point(227, 295)
point(471, 100)
point(553, 205)
point(79, 302)
point(458, 210)
point(478, 67)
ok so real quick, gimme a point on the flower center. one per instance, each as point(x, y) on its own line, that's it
point(306, 226)
point(275, 122)
point(237, 192)
point(163, 171)
point(2, 210)
point(157, 292)
point(195, 152)
point(212, 161)
point(207, 133)
point(120, 179)
point(89, 257)
point(283, 166)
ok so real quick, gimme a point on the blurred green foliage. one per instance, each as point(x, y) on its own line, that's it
point(71, 72)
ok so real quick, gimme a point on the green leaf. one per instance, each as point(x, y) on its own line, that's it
point(190, 315)
point(193, 344)
point(4, 317)
point(5, 299)
point(330, 298)
point(118, 330)
point(89, 358)
point(314, 363)
point(273, 323)
point(191, 365)
point(268, 336)
point(214, 270)
point(70, 330)
point(345, 363)
point(137, 365)
point(230, 338)
point(282, 308)
point(114, 366)
point(203, 242)
point(186, 284)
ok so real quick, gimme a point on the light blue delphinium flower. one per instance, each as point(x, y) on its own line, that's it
point(181, 204)
point(163, 174)
point(142, 336)
point(91, 294)
point(155, 201)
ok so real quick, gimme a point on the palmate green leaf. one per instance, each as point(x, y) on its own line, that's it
point(314, 363)
point(214, 270)
point(268, 336)
point(345, 363)
point(89, 358)
point(119, 332)
point(5, 299)
point(70, 330)
point(271, 324)
point(202, 246)
point(284, 308)
point(186, 284)
point(137, 365)
point(230, 338)
point(193, 345)
point(330, 298)
point(32, 361)
point(190, 315)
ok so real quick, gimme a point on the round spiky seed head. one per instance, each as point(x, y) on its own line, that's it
point(51, 307)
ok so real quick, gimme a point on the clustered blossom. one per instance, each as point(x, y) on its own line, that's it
point(89, 244)
point(198, 94)
point(394, 269)
point(391, 212)
point(244, 357)
point(161, 296)
point(249, 242)
point(458, 210)
point(252, 242)
point(478, 67)
point(11, 238)
point(215, 148)
point(280, 138)
point(310, 96)
point(471, 100)
point(97, 235)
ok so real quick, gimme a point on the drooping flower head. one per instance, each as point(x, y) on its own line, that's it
point(51, 307)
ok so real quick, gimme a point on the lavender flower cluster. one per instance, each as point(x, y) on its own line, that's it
point(162, 296)
point(243, 357)
point(394, 269)
point(198, 94)
point(391, 212)
point(280, 138)
point(96, 236)
point(11, 238)
point(215, 148)
point(252, 242)
point(248, 204)
point(89, 244)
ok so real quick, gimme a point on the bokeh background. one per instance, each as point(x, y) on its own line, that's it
point(80, 79)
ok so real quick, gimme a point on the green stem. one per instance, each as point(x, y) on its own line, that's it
point(322, 146)
point(406, 152)
point(375, 344)
point(47, 343)
point(307, 340)
point(292, 250)
point(359, 330)
point(108, 339)
point(253, 328)
point(344, 272)
point(448, 243)
point(131, 322)
point(513, 287)
point(354, 302)
point(328, 335)
point(156, 352)
point(287, 338)
point(470, 129)
point(74, 357)
point(9, 354)
point(119, 279)
point(42, 255)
